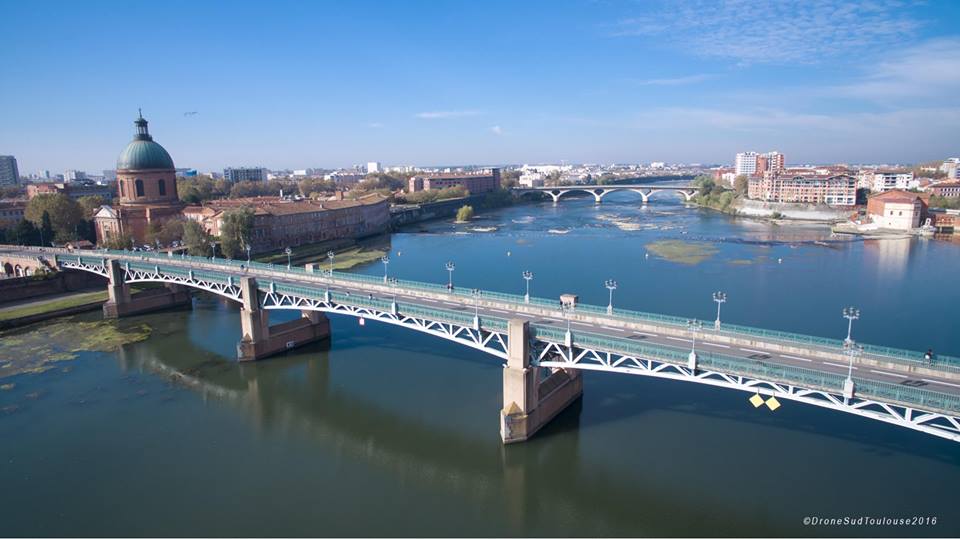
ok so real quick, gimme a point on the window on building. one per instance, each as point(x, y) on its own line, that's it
point(121, 187)
point(162, 185)
point(139, 185)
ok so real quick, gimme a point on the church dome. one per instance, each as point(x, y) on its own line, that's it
point(143, 153)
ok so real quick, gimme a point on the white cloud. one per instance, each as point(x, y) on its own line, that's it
point(446, 114)
point(928, 70)
point(496, 130)
point(690, 79)
point(786, 31)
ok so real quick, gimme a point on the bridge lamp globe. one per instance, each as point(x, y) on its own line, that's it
point(851, 314)
point(611, 286)
point(330, 256)
point(527, 276)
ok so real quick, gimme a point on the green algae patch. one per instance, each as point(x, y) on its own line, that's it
point(682, 252)
point(41, 347)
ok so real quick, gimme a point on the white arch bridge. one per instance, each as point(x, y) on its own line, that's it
point(546, 347)
point(687, 192)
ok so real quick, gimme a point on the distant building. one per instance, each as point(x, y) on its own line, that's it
point(951, 167)
point(531, 179)
point(832, 190)
point(9, 175)
point(344, 177)
point(745, 164)
point(658, 165)
point(886, 180)
point(74, 176)
point(110, 175)
point(475, 182)
point(756, 164)
point(946, 189)
point(73, 190)
point(11, 211)
point(241, 174)
point(283, 222)
point(896, 209)
point(374, 166)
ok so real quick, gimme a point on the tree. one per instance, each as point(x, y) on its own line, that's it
point(464, 214)
point(197, 189)
point(740, 184)
point(196, 239)
point(509, 178)
point(117, 241)
point(91, 204)
point(236, 227)
point(25, 233)
point(171, 231)
point(46, 228)
point(64, 214)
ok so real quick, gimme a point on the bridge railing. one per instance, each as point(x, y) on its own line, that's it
point(944, 362)
point(764, 370)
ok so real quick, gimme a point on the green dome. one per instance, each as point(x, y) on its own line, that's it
point(143, 153)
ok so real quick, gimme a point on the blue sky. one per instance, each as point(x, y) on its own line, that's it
point(326, 84)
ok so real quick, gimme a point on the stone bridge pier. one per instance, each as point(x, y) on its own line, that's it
point(261, 340)
point(121, 302)
point(530, 402)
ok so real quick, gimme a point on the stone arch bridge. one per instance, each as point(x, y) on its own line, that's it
point(599, 191)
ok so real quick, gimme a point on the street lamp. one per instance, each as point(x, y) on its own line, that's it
point(851, 314)
point(213, 249)
point(694, 326)
point(527, 276)
point(394, 282)
point(852, 350)
point(386, 260)
point(611, 286)
point(248, 254)
point(450, 267)
point(568, 337)
point(720, 298)
point(476, 307)
point(330, 257)
point(289, 252)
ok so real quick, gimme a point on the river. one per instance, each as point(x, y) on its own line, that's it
point(389, 432)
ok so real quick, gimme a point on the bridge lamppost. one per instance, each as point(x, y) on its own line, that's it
point(450, 267)
point(853, 351)
point(694, 326)
point(247, 248)
point(289, 252)
point(394, 283)
point(720, 298)
point(476, 307)
point(213, 249)
point(527, 276)
point(568, 337)
point(386, 260)
point(611, 286)
point(851, 314)
point(330, 256)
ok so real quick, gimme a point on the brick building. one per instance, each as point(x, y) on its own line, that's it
point(476, 182)
point(946, 189)
point(832, 190)
point(897, 209)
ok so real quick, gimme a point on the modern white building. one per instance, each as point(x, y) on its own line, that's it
point(74, 175)
point(886, 180)
point(374, 166)
point(951, 167)
point(240, 174)
point(746, 164)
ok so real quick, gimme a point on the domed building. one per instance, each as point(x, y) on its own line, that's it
point(146, 188)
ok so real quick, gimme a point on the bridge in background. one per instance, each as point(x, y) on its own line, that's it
point(600, 191)
point(545, 344)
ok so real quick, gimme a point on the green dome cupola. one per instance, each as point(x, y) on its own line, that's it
point(143, 153)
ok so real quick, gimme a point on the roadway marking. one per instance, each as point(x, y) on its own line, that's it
point(675, 338)
point(889, 374)
point(715, 344)
point(614, 329)
point(797, 358)
point(754, 351)
point(837, 365)
point(938, 382)
point(450, 303)
point(647, 334)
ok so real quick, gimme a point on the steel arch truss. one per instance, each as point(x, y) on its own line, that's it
point(485, 340)
point(556, 355)
point(100, 268)
point(229, 289)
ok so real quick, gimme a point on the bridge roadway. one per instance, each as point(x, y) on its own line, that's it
point(907, 390)
point(599, 191)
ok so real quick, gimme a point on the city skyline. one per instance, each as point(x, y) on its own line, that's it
point(334, 85)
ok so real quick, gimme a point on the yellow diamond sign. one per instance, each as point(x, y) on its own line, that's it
point(773, 403)
point(756, 400)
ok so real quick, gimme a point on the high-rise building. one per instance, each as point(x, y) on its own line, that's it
point(746, 164)
point(9, 175)
point(373, 166)
point(74, 176)
point(240, 174)
point(776, 162)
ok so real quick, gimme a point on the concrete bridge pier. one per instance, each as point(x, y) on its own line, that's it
point(261, 340)
point(122, 302)
point(529, 403)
